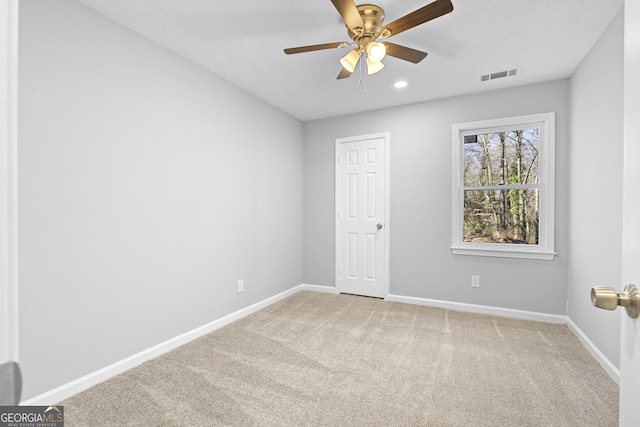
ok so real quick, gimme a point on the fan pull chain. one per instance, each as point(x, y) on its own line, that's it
point(363, 72)
point(365, 84)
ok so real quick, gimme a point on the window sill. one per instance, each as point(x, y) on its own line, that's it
point(499, 252)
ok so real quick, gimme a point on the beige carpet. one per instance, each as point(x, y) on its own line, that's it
point(341, 360)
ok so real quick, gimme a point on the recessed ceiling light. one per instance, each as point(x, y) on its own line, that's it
point(400, 84)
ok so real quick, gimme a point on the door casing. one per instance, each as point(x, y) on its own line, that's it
point(8, 181)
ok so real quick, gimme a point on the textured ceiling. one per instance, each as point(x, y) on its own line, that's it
point(243, 42)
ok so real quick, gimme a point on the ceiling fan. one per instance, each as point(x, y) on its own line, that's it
point(364, 26)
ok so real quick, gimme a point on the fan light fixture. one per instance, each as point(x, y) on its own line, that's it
point(376, 51)
point(350, 60)
point(373, 67)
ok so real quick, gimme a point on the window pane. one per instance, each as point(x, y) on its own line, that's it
point(502, 158)
point(501, 216)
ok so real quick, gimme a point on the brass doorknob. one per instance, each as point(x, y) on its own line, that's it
point(608, 299)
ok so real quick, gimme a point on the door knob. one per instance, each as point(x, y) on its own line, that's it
point(608, 299)
point(379, 226)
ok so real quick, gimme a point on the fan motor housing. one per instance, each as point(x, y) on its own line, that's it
point(373, 17)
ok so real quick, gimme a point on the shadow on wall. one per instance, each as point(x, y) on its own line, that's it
point(10, 384)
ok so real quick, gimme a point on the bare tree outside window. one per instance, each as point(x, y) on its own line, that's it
point(501, 193)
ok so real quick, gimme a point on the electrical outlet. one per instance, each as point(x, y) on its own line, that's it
point(475, 281)
point(240, 285)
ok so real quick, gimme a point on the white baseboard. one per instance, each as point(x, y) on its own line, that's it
point(83, 383)
point(606, 364)
point(318, 288)
point(481, 309)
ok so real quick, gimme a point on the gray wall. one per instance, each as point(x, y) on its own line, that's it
point(147, 187)
point(595, 197)
point(421, 263)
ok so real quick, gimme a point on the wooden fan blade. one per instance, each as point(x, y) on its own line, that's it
point(301, 49)
point(417, 17)
point(406, 53)
point(349, 12)
point(344, 74)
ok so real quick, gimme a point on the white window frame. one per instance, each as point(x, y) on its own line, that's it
point(544, 250)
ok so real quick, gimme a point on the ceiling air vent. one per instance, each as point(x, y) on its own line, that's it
point(500, 74)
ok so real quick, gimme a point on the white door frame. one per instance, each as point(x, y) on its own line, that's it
point(8, 180)
point(386, 136)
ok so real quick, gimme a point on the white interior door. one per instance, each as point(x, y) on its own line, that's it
point(362, 215)
point(630, 331)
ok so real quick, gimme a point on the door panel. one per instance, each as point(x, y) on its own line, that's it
point(630, 331)
point(361, 206)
